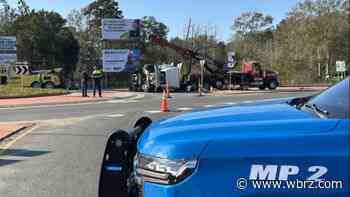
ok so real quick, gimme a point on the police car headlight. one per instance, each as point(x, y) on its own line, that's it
point(163, 171)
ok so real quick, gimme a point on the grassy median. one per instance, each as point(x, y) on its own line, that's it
point(17, 92)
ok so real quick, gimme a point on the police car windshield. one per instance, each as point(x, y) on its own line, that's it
point(332, 103)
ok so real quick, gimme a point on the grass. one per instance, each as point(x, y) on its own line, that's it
point(9, 91)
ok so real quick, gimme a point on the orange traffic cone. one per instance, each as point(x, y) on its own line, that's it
point(164, 105)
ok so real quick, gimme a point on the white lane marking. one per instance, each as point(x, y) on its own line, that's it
point(230, 103)
point(153, 112)
point(115, 115)
point(249, 101)
point(122, 101)
point(209, 106)
point(184, 109)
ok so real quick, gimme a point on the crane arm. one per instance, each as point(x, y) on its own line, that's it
point(187, 52)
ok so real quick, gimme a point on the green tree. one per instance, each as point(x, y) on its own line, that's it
point(68, 51)
point(23, 8)
point(7, 17)
point(94, 13)
point(152, 27)
point(251, 22)
point(99, 9)
point(316, 38)
point(253, 37)
point(153, 53)
point(76, 20)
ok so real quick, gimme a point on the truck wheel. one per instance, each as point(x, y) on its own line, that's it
point(146, 88)
point(35, 84)
point(49, 85)
point(188, 88)
point(262, 87)
point(273, 84)
point(219, 84)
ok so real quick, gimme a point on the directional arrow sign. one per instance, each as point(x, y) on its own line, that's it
point(22, 69)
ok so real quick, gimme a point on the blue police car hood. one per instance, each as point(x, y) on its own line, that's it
point(186, 135)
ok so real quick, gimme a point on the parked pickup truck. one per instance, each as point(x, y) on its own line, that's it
point(294, 148)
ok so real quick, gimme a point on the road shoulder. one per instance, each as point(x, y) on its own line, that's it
point(72, 98)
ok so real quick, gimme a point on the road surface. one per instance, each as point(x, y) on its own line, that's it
point(61, 155)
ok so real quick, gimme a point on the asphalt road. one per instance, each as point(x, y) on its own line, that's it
point(61, 156)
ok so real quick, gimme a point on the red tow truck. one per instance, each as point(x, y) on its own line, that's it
point(253, 75)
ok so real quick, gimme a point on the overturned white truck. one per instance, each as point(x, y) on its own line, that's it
point(154, 78)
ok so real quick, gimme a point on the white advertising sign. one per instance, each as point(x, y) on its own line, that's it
point(6, 58)
point(340, 66)
point(115, 60)
point(119, 29)
point(8, 43)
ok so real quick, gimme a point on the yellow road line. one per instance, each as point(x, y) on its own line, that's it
point(12, 142)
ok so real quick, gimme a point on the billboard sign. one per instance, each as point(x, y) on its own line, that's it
point(134, 59)
point(120, 29)
point(7, 43)
point(8, 58)
point(118, 60)
point(340, 66)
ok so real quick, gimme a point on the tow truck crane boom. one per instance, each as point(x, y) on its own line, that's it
point(211, 65)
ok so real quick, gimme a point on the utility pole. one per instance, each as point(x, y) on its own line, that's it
point(189, 68)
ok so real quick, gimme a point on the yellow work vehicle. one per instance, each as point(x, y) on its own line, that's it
point(36, 79)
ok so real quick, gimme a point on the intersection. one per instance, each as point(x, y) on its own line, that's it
point(61, 155)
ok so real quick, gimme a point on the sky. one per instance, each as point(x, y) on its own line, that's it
point(176, 13)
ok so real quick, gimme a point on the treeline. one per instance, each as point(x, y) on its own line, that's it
point(43, 39)
point(47, 40)
point(303, 47)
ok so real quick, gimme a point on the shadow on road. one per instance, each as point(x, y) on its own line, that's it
point(22, 152)
point(4, 162)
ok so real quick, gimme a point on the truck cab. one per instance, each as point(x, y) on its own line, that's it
point(154, 77)
point(253, 75)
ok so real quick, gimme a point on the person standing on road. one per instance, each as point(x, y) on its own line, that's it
point(84, 83)
point(97, 76)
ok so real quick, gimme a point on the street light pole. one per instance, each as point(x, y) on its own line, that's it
point(202, 62)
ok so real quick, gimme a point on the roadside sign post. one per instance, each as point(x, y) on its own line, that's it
point(115, 59)
point(200, 88)
point(202, 63)
point(231, 62)
point(341, 69)
point(22, 68)
point(230, 81)
point(8, 52)
point(22, 83)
